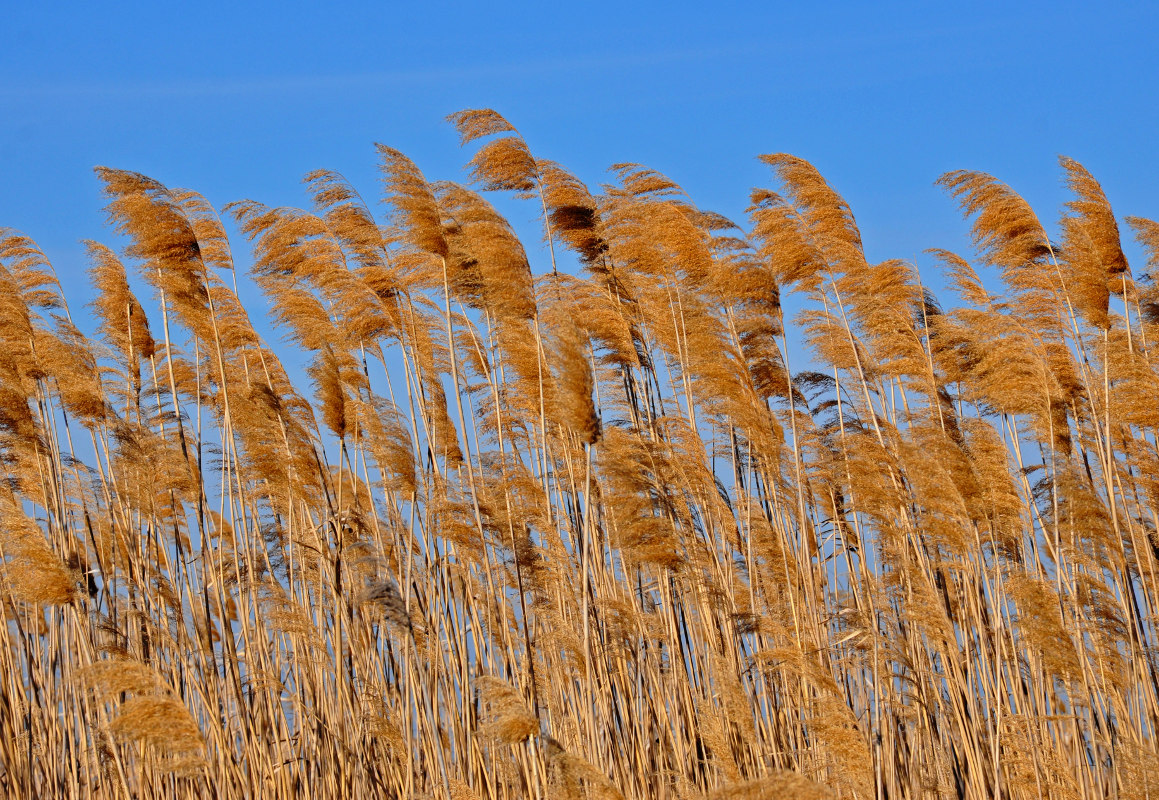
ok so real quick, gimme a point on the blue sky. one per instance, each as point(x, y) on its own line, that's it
point(240, 100)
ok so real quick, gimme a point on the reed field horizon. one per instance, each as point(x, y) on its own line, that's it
point(651, 504)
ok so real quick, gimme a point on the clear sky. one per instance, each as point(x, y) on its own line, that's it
point(241, 99)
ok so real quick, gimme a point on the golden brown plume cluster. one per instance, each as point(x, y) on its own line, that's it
point(584, 528)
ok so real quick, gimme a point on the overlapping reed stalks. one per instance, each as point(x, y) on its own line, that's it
point(522, 533)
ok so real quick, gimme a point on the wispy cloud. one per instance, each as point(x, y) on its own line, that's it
point(779, 48)
point(296, 84)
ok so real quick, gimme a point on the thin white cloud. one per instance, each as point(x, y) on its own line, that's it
point(292, 84)
point(773, 47)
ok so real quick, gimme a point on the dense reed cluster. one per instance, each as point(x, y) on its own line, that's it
point(586, 530)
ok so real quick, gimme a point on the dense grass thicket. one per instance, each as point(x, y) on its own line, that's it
point(589, 532)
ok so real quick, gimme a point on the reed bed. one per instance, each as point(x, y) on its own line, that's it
point(593, 530)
